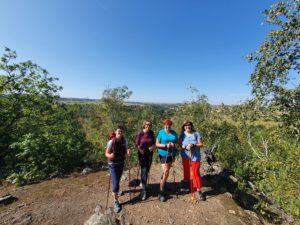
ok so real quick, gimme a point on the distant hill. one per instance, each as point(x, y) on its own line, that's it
point(88, 100)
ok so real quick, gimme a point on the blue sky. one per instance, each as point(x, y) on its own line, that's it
point(158, 48)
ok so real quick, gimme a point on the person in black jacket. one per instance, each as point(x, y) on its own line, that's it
point(116, 150)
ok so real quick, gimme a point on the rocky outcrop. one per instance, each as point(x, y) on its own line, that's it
point(108, 217)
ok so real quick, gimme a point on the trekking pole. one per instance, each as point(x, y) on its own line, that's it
point(191, 177)
point(108, 191)
point(174, 182)
point(135, 182)
point(148, 177)
point(137, 176)
point(176, 188)
point(128, 164)
point(148, 172)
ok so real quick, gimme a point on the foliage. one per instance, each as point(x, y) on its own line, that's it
point(37, 135)
point(274, 78)
point(112, 110)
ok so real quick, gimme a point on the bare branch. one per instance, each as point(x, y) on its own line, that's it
point(265, 145)
point(250, 144)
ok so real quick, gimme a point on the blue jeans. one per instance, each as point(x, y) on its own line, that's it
point(116, 170)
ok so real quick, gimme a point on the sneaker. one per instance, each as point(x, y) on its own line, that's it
point(143, 195)
point(117, 207)
point(161, 196)
point(201, 196)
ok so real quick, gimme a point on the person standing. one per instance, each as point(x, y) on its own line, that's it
point(166, 141)
point(191, 141)
point(116, 151)
point(145, 143)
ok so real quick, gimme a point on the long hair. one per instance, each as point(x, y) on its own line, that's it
point(187, 122)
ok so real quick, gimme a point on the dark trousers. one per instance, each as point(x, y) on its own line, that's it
point(116, 170)
point(145, 162)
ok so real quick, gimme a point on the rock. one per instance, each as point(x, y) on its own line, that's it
point(86, 170)
point(251, 213)
point(7, 199)
point(108, 217)
point(217, 168)
point(232, 211)
point(228, 194)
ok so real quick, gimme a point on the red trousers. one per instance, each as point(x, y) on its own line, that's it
point(194, 174)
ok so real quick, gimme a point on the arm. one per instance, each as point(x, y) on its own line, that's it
point(158, 141)
point(199, 140)
point(137, 140)
point(200, 143)
point(108, 150)
point(159, 145)
point(152, 146)
point(180, 144)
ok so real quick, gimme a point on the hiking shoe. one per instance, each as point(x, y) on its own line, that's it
point(201, 196)
point(121, 193)
point(162, 197)
point(143, 195)
point(117, 207)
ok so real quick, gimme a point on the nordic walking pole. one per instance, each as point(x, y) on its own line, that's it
point(191, 176)
point(174, 173)
point(128, 164)
point(137, 176)
point(174, 182)
point(148, 172)
point(108, 190)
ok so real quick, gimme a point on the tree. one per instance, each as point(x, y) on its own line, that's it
point(26, 91)
point(38, 135)
point(274, 79)
point(113, 100)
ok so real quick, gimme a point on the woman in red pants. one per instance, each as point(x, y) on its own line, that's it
point(191, 141)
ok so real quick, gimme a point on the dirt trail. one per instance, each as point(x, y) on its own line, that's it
point(72, 200)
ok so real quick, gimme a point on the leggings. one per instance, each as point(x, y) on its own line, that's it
point(145, 161)
point(197, 182)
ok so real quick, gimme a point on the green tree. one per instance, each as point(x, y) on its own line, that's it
point(277, 62)
point(38, 135)
point(113, 100)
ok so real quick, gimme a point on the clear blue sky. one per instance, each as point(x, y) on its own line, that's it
point(158, 48)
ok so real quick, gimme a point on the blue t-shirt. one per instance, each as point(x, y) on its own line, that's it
point(194, 138)
point(164, 138)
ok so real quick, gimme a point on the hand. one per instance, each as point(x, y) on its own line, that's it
point(171, 145)
point(189, 146)
point(151, 148)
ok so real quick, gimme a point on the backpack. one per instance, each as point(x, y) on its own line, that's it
point(111, 135)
